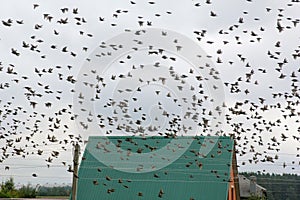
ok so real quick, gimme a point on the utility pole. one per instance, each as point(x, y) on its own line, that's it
point(75, 171)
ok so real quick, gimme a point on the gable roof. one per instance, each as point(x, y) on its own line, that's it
point(244, 184)
point(200, 170)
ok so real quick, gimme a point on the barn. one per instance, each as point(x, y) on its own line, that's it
point(127, 167)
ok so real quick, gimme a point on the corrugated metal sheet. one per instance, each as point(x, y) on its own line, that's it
point(192, 176)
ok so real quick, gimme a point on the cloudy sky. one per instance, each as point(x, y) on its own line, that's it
point(252, 46)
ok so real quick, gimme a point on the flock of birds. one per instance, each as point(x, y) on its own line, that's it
point(42, 114)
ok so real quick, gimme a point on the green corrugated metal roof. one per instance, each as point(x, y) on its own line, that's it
point(193, 175)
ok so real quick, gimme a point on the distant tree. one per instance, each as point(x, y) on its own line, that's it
point(8, 188)
point(54, 191)
point(8, 185)
point(27, 191)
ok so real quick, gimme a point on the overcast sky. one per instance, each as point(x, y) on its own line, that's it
point(250, 29)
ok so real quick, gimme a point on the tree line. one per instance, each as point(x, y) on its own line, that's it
point(8, 190)
point(278, 186)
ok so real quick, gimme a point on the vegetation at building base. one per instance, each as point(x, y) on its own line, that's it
point(278, 186)
point(8, 190)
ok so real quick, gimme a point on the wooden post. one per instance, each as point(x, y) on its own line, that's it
point(235, 172)
point(75, 172)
